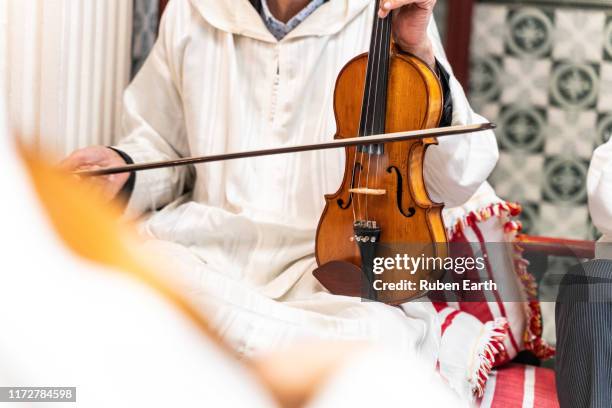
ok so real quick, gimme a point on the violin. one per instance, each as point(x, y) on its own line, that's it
point(382, 208)
point(387, 106)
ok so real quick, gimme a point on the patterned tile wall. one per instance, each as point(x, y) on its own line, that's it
point(543, 74)
point(145, 31)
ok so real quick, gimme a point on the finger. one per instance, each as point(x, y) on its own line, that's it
point(387, 6)
point(70, 163)
point(75, 161)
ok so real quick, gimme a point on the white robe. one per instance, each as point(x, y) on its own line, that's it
point(60, 329)
point(67, 321)
point(211, 86)
point(599, 185)
point(218, 81)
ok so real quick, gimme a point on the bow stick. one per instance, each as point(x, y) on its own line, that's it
point(333, 144)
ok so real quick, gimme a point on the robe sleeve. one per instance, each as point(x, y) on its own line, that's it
point(153, 121)
point(599, 186)
point(457, 166)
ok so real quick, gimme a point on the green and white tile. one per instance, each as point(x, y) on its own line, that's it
point(607, 38)
point(564, 180)
point(571, 131)
point(563, 221)
point(604, 128)
point(604, 99)
point(529, 32)
point(488, 35)
point(522, 128)
point(574, 85)
point(579, 35)
point(525, 80)
point(485, 79)
point(518, 177)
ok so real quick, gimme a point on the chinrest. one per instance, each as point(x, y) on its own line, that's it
point(340, 278)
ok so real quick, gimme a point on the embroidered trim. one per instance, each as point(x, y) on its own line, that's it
point(490, 346)
point(533, 333)
point(532, 336)
point(498, 209)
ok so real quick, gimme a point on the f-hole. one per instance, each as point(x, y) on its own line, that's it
point(340, 201)
point(400, 190)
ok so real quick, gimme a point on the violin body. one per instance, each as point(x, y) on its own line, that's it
point(393, 213)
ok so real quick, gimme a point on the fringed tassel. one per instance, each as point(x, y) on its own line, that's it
point(533, 332)
point(532, 337)
point(491, 344)
point(498, 209)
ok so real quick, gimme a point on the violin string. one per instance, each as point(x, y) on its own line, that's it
point(379, 149)
point(372, 77)
point(372, 118)
point(355, 201)
point(376, 114)
point(375, 76)
point(363, 120)
point(371, 73)
point(352, 183)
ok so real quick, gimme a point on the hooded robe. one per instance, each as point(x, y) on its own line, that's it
point(241, 233)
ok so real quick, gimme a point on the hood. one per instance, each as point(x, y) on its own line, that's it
point(240, 17)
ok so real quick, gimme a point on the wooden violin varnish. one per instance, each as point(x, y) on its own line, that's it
point(388, 106)
point(382, 205)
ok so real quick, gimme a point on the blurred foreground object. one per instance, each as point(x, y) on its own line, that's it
point(92, 325)
point(105, 324)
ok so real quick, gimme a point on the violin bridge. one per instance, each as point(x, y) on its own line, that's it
point(368, 191)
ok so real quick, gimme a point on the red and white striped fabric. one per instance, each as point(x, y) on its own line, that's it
point(520, 386)
point(483, 231)
point(463, 335)
point(494, 326)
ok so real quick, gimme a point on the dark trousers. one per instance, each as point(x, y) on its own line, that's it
point(584, 336)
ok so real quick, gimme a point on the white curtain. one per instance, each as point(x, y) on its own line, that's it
point(3, 65)
point(67, 63)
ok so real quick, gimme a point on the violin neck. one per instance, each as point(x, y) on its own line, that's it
point(374, 108)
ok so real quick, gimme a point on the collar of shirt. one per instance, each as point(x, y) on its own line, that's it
point(246, 20)
point(279, 29)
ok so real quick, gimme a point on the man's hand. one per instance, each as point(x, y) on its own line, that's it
point(99, 157)
point(410, 21)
